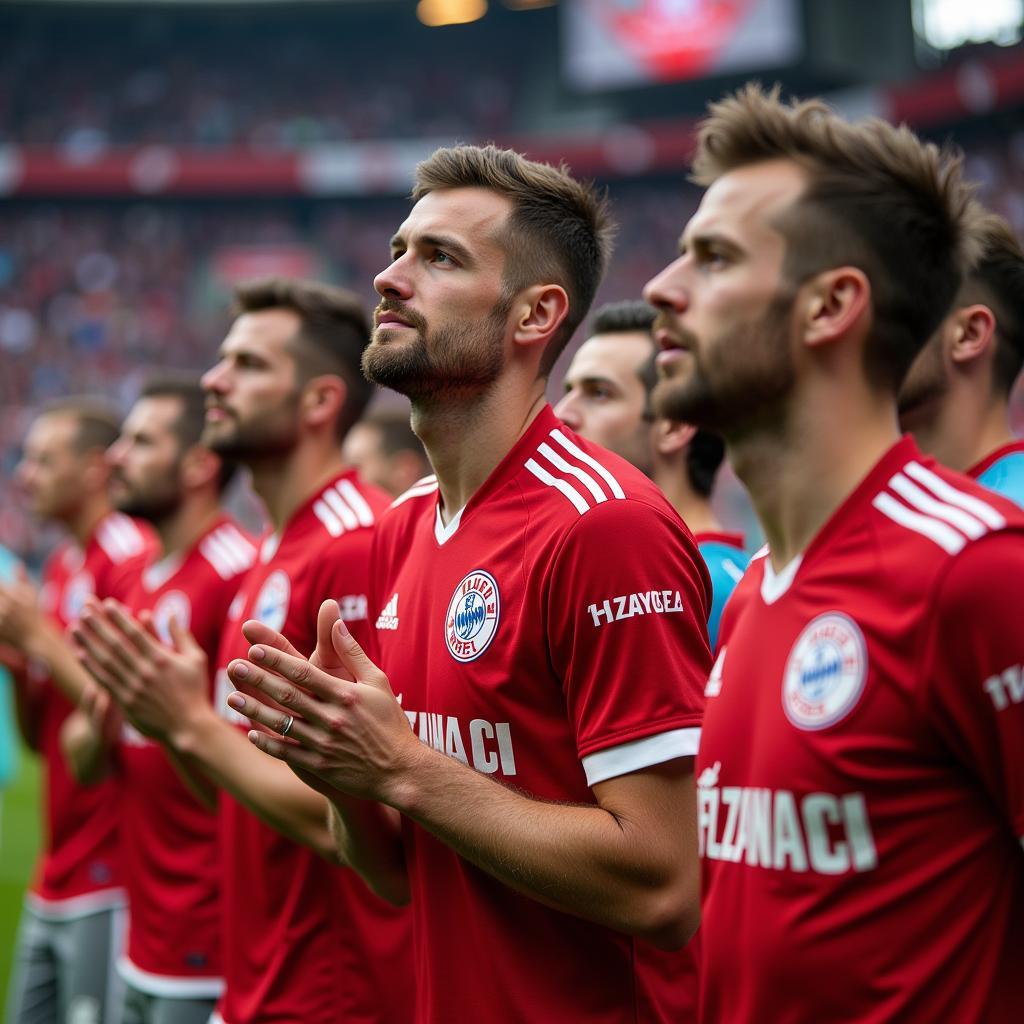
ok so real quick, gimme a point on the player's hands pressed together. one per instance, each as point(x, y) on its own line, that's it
point(158, 687)
point(348, 728)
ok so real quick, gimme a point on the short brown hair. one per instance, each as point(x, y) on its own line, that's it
point(997, 281)
point(97, 421)
point(335, 330)
point(877, 198)
point(560, 229)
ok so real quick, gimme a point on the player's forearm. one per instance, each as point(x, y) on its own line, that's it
point(368, 839)
point(266, 787)
point(85, 750)
point(27, 708)
point(199, 784)
point(601, 865)
point(46, 644)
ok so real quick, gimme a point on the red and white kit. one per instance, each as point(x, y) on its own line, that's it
point(170, 849)
point(305, 940)
point(552, 636)
point(79, 871)
point(860, 781)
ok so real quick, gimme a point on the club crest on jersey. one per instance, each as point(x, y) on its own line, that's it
point(172, 605)
point(271, 606)
point(825, 672)
point(473, 615)
point(79, 587)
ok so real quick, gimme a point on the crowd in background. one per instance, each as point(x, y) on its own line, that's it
point(167, 86)
point(93, 295)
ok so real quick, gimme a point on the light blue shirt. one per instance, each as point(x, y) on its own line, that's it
point(726, 564)
point(1006, 476)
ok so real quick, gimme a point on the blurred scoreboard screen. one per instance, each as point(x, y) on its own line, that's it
point(615, 43)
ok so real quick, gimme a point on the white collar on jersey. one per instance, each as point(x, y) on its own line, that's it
point(775, 584)
point(444, 533)
point(269, 547)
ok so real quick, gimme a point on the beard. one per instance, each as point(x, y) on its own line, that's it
point(739, 381)
point(456, 358)
point(272, 433)
point(153, 506)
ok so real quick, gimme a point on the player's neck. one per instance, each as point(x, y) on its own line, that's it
point(965, 429)
point(180, 531)
point(466, 439)
point(284, 484)
point(693, 509)
point(799, 474)
point(83, 522)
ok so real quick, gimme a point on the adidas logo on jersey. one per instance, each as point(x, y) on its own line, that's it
point(714, 683)
point(625, 606)
point(388, 618)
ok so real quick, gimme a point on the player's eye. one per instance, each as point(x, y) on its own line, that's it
point(440, 256)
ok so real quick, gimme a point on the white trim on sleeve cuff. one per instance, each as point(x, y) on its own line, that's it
point(169, 987)
point(639, 754)
point(76, 907)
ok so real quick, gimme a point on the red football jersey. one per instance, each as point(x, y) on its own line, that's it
point(305, 940)
point(169, 845)
point(523, 645)
point(79, 870)
point(860, 782)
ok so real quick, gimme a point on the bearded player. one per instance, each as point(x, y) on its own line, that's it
point(304, 940)
point(860, 785)
point(73, 923)
point(161, 473)
point(956, 397)
point(539, 811)
point(607, 400)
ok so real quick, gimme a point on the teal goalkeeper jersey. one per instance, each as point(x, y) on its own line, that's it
point(8, 742)
point(726, 561)
point(1003, 471)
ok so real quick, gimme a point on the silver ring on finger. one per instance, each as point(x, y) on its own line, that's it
point(288, 725)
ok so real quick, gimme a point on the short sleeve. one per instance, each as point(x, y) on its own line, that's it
point(345, 576)
point(973, 683)
point(627, 605)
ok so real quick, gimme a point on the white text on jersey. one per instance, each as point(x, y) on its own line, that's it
point(776, 829)
point(625, 606)
point(1006, 688)
point(490, 743)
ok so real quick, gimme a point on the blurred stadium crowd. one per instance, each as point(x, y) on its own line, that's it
point(93, 296)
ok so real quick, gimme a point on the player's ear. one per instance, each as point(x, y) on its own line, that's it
point(973, 334)
point(539, 311)
point(834, 304)
point(322, 400)
point(671, 437)
point(199, 466)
